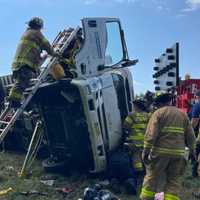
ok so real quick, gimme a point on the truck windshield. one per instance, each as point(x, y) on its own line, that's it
point(114, 51)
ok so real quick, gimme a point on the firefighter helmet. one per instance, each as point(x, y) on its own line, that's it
point(162, 97)
point(140, 103)
point(36, 23)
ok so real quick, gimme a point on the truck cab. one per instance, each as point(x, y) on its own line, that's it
point(83, 115)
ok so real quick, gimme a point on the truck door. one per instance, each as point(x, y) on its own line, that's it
point(103, 48)
point(123, 83)
point(111, 113)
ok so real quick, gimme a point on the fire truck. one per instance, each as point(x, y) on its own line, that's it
point(186, 90)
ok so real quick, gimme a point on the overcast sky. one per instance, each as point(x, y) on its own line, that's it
point(150, 27)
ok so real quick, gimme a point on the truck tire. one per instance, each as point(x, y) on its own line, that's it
point(60, 166)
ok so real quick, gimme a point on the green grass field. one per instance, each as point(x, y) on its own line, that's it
point(10, 165)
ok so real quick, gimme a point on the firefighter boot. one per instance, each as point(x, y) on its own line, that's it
point(115, 186)
point(130, 186)
point(15, 97)
point(194, 169)
point(14, 104)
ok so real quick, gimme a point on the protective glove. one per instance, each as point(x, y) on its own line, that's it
point(44, 56)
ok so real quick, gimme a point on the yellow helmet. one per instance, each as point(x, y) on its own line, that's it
point(187, 76)
point(140, 103)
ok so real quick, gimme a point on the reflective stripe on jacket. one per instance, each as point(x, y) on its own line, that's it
point(70, 54)
point(146, 193)
point(198, 138)
point(29, 49)
point(136, 124)
point(168, 132)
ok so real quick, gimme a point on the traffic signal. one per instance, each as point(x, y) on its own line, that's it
point(166, 69)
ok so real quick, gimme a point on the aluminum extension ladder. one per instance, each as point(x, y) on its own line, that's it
point(60, 43)
point(33, 148)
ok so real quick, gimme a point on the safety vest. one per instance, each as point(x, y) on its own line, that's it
point(137, 123)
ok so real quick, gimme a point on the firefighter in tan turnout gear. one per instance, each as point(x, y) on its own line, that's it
point(68, 60)
point(168, 133)
point(135, 126)
point(27, 58)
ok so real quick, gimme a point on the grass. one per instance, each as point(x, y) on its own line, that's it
point(10, 165)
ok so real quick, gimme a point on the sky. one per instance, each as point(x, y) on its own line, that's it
point(150, 27)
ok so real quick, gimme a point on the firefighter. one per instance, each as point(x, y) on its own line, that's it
point(195, 119)
point(68, 60)
point(148, 97)
point(135, 126)
point(27, 59)
point(168, 132)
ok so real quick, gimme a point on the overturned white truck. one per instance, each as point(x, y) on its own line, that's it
point(83, 116)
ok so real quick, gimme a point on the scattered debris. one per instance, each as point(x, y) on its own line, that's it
point(5, 191)
point(34, 192)
point(48, 182)
point(64, 190)
point(196, 195)
point(49, 177)
point(96, 192)
point(10, 168)
point(104, 183)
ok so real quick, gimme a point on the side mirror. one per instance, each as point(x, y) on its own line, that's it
point(127, 63)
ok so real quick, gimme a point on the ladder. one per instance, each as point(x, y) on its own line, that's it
point(33, 147)
point(60, 43)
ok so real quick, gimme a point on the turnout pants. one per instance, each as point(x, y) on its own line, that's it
point(136, 158)
point(137, 162)
point(166, 169)
point(22, 78)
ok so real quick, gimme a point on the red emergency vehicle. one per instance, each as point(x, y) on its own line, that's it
point(186, 93)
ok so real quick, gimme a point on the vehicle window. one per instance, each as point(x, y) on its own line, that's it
point(121, 96)
point(128, 96)
point(114, 51)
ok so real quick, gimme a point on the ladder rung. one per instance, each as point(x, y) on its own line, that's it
point(4, 122)
point(29, 89)
point(5, 112)
point(62, 43)
point(33, 82)
point(6, 104)
point(26, 93)
point(34, 79)
point(9, 85)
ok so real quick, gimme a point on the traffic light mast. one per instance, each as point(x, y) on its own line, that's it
point(166, 76)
